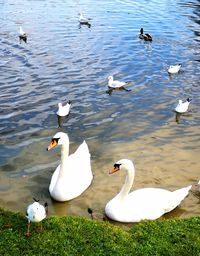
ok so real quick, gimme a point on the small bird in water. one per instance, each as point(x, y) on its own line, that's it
point(182, 107)
point(84, 21)
point(115, 84)
point(63, 110)
point(145, 36)
point(36, 213)
point(22, 35)
point(173, 69)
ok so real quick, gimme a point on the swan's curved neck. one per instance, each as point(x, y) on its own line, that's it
point(64, 155)
point(128, 183)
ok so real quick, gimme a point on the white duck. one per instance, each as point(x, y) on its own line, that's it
point(145, 203)
point(182, 107)
point(173, 69)
point(115, 84)
point(64, 110)
point(35, 213)
point(22, 35)
point(74, 175)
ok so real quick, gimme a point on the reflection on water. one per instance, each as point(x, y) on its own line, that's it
point(62, 61)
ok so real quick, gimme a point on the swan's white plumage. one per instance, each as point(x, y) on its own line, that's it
point(74, 175)
point(173, 69)
point(145, 203)
point(115, 83)
point(63, 110)
point(182, 107)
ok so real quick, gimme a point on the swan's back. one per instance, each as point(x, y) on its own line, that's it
point(146, 203)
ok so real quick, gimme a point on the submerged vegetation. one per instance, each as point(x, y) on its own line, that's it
point(80, 236)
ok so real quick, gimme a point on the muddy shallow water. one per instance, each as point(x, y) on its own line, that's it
point(63, 61)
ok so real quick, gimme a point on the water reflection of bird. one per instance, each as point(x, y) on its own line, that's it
point(35, 213)
point(145, 36)
point(182, 107)
point(173, 69)
point(84, 21)
point(144, 203)
point(178, 117)
point(22, 35)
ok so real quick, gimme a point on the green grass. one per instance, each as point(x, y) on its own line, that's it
point(79, 236)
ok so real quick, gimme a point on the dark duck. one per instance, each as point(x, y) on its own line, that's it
point(144, 36)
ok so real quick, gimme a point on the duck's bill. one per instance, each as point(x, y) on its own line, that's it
point(53, 144)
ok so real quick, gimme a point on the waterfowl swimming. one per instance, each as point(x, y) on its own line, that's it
point(115, 84)
point(74, 175)
point(145, 36)
point(182, 107)
point(173, 69)
point(63, 110)
point(83, 20)
point(22, 35)
point(144, 203)
point(35, 213)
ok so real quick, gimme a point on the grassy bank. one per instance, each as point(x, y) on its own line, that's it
point(79, 236)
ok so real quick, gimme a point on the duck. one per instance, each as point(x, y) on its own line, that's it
point(173, 69)
point(22, 35)
point(182, 107)
point(144, 203)
point(115, 84)
point(74, 174)
point(145, 36)
point(83, 20)
point(63, 110)
point(36, 212)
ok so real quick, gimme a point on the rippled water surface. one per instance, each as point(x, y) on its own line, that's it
point(63, 61)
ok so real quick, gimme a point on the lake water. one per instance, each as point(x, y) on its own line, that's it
point(63, 61)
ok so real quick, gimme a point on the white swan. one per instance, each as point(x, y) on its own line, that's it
point(173, 69)
point(182, 107)
point(35, 213)
point(63, 110)
point(74, 174)
point(145, 203)
point(22, 35)
point(115, 84)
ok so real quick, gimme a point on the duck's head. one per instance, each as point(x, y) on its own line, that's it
point(189, 100)
point(141, 31)
point(123, 164)
point(59, 105)
point(110, 78)
point(59, 138)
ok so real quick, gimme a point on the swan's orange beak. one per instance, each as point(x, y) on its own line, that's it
point(114, 169)
point(53, 144)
